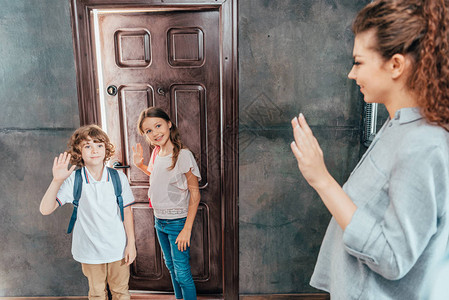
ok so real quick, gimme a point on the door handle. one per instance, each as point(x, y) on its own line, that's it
point(118, 165)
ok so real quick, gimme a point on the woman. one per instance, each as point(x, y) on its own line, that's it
point(389, 222)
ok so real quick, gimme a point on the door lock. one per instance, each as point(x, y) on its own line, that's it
point(161, 91)
point(112, 90)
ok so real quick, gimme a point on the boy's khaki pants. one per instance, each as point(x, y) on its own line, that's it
point(116, 274)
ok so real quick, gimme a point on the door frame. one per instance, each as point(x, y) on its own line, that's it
point(89, 107)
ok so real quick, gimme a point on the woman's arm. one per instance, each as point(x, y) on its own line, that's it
point(417, 185)
point(417, 191)
point(311, 164)
point(183, 239)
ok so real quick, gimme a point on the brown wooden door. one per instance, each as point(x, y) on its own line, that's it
point(168, 59)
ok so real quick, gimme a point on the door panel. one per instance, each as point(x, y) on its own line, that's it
point(132, 48)
point(189, 108)
point(148, 263)
point(168, 59)
point(200, 237)
point(133, 99)
point(185, 47)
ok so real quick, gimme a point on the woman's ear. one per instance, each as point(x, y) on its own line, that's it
point(398, 64)
point(169, 125)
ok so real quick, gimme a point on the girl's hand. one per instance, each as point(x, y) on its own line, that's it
point(138, 155)
point(183, 239)
point(130, 254)
point(308, 154)
point(60, 164)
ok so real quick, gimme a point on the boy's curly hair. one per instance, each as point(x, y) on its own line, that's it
point(83, 134)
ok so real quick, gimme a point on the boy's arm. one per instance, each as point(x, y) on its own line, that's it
point(183, 239)
point(48, 202)
point(128, 222)
point(60, 173)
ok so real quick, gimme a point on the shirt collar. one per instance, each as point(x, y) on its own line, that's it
point(408, 115)
point(88, 178)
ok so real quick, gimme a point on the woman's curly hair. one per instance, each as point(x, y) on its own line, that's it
point(83, 134)
point(419, 28)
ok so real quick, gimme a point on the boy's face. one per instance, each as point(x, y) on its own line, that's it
point(93, 153)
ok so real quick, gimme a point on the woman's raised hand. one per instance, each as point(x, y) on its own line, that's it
point(308, 154)
point(138, 155)
point(60, 164)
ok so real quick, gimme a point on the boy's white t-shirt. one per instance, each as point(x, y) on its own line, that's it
point(99, 234)
point(168, 192)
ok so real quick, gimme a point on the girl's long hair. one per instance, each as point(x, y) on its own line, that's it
point(419, 28)
point(156, 112)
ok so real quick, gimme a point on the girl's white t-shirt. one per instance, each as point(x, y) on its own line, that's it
point(168, 192)
point(99, 234)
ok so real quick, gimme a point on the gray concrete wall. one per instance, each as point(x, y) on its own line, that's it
point(39, 110)
point(294, 57)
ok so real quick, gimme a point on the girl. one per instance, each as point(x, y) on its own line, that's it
point(174, 194)
point(389, 222)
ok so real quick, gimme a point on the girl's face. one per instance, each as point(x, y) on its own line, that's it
point(370, 70)
point(157, 130)
point(93, 153)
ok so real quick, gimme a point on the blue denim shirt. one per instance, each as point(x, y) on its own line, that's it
point(400, 228)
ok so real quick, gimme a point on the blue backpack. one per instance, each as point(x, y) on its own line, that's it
point(78, 187)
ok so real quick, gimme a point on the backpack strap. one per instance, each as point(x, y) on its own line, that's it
point(77, 189)
point(117, 189)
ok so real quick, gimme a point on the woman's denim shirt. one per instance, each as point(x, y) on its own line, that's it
point(400, 228)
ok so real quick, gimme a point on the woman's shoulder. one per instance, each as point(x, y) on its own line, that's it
point(427, 134)
point(425, 138)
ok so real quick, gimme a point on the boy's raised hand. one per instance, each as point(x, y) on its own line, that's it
point(137, 155)
point(60, 164)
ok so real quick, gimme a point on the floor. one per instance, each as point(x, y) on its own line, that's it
point(142, 296)
point(134, 296)
point(170, 297)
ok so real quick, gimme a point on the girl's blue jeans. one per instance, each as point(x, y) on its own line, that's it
point(177, 262)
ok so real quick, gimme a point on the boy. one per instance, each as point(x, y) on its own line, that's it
point(102, 243)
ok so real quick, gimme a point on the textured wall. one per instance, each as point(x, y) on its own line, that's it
point(294, 57)
point(39, 110)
